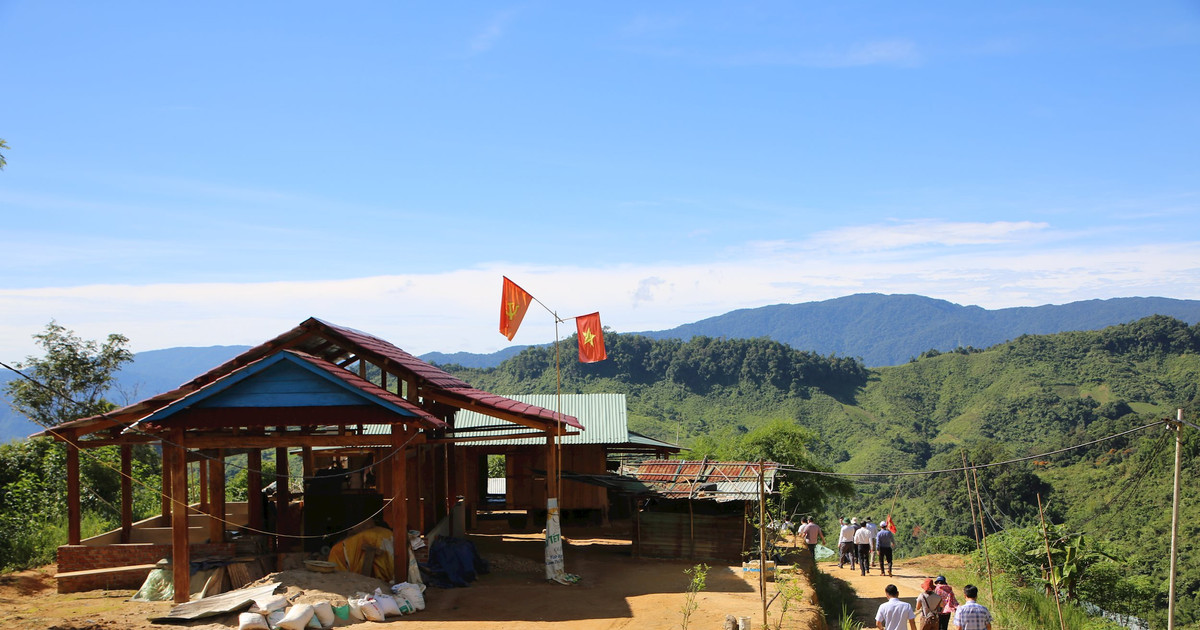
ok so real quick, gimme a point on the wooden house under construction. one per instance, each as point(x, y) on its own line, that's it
point(316, 386)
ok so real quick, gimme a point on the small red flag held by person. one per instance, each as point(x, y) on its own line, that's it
point(890, 525)
point(514, 301)
point(591, 338)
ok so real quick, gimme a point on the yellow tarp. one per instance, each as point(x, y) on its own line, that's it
point(350, 553)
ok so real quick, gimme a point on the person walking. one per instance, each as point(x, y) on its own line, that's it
point(929, 606)
point(894, 612)
point(870, 524)
point(812, 533)
point(885, 540)
point(972, 615)
point(862, 540)
point(846, 544)
point(949, 602)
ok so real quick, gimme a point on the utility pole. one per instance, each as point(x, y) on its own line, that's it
point(1176, 426)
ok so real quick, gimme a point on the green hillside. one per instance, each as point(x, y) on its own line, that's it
point(1032, 395)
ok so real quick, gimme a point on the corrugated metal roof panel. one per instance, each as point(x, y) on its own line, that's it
point(720, 481)
point(604, 417)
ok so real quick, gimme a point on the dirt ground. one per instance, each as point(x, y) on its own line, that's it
point(616, 591)
point(907, 575)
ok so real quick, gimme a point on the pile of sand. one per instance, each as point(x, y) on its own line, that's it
point(302, 586)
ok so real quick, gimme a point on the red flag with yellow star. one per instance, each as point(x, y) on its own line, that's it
point(591, 338)
point(514, 301)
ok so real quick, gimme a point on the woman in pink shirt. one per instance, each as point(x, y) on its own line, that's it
point(949, 602)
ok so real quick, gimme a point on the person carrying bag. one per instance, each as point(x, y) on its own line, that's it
point(928, 606)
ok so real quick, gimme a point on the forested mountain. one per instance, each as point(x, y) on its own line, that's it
point(150, 373)
point(1027, 396)
point(879, 329)
point(891, 329)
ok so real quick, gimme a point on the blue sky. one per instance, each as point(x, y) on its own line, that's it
point(200, 174)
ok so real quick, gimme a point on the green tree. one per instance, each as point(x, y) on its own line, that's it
point(785, 443)
point(3, 162)
point(69, 382)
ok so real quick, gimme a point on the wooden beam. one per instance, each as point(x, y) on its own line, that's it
point(73, 513)
point(262, 417)
point(126, 493)
point(180, 553)
point(293, 440)
point(490, 438)
point(463, 402)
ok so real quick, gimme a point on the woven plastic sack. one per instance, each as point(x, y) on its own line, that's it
point(821, 553)
point(296, 618)
point(412, 593)
point(323, 611)
point(252, 621)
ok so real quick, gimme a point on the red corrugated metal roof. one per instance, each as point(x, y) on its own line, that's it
point(706, 479)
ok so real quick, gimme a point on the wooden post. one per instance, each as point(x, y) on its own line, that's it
point(970, 499)
point(762, 541)
point(180, 554)
point(165, 487)
point(308, 464)
point(254, 502)
point(281, 498)
point(551, 467)
point(73, 535)
point(216, 495)
point(983, 530)
point(126, 493)
point(204, 467)
point(398, 512)
point(416, 518)
point(1050, 559)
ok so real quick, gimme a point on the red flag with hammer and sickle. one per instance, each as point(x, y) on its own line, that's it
point(513, 303)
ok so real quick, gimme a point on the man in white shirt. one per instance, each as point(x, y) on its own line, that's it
point(862, 540)
point(846, 547)
point(893, 613)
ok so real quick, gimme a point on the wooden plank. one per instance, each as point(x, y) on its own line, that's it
point(293, 440)
point(238, 575)
point(125, 569)
point(212, 586)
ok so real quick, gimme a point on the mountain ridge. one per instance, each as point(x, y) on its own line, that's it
point(880, 329)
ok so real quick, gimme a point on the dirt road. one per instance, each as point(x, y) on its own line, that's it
point(907, 575)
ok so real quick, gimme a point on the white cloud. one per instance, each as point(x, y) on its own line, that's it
point(993, 265)
point(909, 233)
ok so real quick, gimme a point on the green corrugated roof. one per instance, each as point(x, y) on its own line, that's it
point(604, 417)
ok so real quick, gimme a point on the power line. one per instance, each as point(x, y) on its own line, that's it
point(974, 466)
